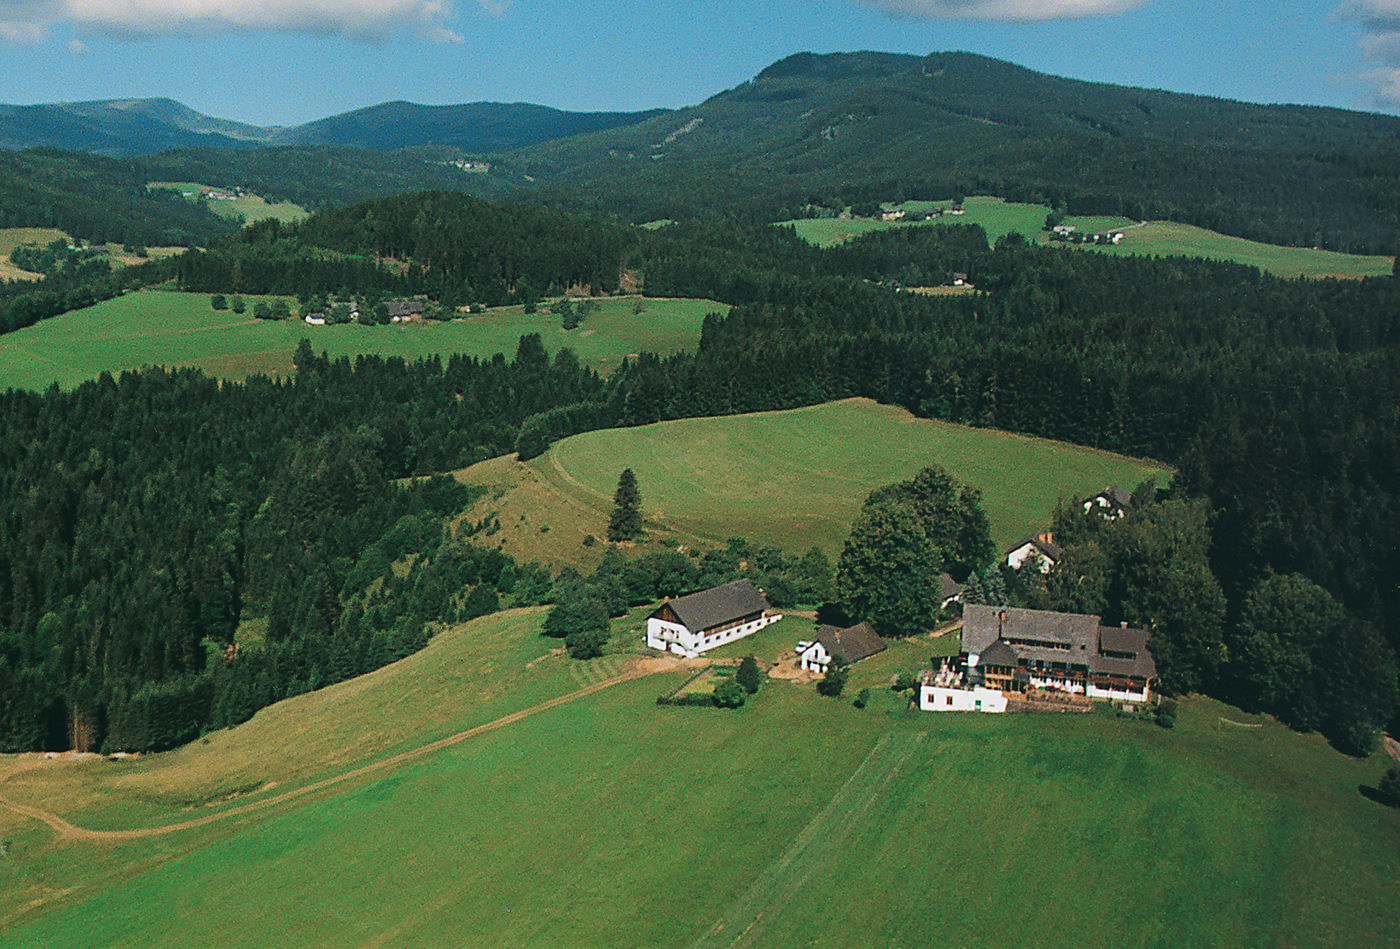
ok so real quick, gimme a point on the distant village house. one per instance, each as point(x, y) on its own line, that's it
point(1112, 503)
point(690, 625)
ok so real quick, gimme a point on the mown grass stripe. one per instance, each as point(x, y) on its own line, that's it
point(745, 919)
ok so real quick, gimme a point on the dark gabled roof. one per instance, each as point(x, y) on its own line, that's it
point(852, 644)
point(1007, 635)
point(947, 586)
point(405, 307)
point(1124, 640)
point(1115, 496)
point(717, 606)
point(1050, 549)
point(984, 625)
point(999, 654)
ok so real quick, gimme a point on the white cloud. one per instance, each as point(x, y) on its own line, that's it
point(77, 47)
point(362, 20)
point(1001, 9)
point(1380, 44)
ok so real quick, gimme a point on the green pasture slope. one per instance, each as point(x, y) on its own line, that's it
point(796, 820)
point(797, 478)
point(182, 329)
point(248, 207)
point(1152, 238)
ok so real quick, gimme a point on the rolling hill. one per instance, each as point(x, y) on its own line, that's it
point(473, 127)
point(867, 127)
point(794, 479)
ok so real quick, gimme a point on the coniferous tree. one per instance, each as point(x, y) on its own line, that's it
point(626, 520)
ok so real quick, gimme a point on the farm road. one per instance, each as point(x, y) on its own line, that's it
point(70, 831)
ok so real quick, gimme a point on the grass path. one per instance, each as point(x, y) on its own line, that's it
point(820, 842)
point(72, 832)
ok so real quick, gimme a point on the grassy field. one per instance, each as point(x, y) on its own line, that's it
point(796, 820)
point(1152, 238)
point(182, 329)
point(245, 207)
point(12, 238)
point(784, 478)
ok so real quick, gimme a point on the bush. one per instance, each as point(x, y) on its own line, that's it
point(834, 681)
point(1166, 713)
point(237, 304)
point(729, 694)
point(586, 643)
point(749, 675)
point(218, 302)
point(862, 698)
point(1390, 787)
point(905, 681)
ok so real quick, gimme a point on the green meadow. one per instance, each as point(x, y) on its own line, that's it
point(182, 329)
point(797, 478)
point(245, 207)
point(796, 820)
point(1152, 238)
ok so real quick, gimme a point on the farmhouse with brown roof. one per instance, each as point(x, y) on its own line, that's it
point(851, 645)
point(690, 625)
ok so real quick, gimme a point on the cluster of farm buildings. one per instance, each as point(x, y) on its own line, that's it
point(400, 311)
point(1009, 657)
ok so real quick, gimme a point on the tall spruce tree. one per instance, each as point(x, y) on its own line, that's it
point(626, 520)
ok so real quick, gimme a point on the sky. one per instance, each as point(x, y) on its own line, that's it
point(281, 62)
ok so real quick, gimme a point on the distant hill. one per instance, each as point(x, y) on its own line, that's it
point(117, 127)
point(866, 127)
point(474, 127)
point(128, 127)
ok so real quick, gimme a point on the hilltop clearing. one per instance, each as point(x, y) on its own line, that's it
point(999, 217)
point(182, 330)
point(794, 479)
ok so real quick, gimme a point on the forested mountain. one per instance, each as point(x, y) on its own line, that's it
point(837, 129)
point(99, 200)
point(118, 127)
point(475, 127)
point(127, 127)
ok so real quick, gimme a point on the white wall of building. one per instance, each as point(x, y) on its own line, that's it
point(813, 657)
point(1123, 694)
point(1023, 553)
point(673, 637)
point(937, 698)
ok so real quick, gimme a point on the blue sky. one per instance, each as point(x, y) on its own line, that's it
point(287, 61)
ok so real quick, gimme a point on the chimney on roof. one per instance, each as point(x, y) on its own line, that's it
point(1046, 537)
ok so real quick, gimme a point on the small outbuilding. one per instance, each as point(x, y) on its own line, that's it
point(851, 644)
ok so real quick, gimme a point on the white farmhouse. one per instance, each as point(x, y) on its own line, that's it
point(690, 625)
point(852, 645)
point(1040, 550)
point(1112, 502)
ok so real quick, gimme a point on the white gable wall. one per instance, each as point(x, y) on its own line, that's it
point(673, 637)
point(813, 657)
point(1021, 554)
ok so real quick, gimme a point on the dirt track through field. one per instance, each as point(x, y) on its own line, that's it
point(73, 832)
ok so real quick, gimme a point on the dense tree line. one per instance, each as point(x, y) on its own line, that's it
point(145, 516)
